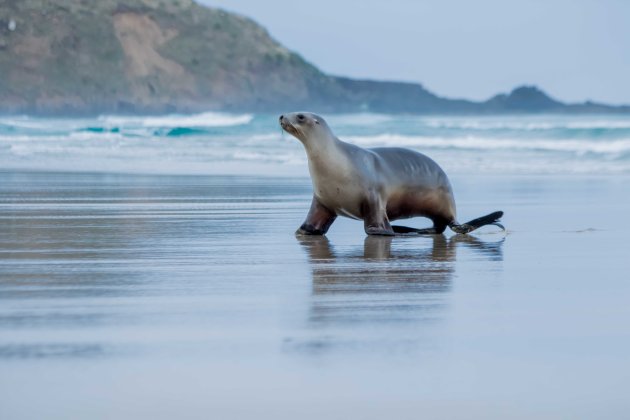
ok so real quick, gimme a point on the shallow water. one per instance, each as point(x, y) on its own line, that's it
point(189, 296)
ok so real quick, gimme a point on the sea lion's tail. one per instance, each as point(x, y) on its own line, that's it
point(490, 219)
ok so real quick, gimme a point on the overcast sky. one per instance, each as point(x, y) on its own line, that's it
point(573, 49)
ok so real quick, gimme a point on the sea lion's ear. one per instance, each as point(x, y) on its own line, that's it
point(316, 122)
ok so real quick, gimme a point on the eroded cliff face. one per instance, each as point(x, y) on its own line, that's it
point(141, 38)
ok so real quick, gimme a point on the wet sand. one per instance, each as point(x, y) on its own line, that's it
point(189, 297)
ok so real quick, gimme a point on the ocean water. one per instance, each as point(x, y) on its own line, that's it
point(218, 143)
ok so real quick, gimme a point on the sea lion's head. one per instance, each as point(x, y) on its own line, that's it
point(305, 126)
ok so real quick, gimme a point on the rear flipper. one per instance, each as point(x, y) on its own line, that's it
point(490, 219)
point(405, 229)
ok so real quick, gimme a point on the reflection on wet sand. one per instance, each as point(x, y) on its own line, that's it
point(85, 253)
point(420, 266)
point(386, 296)
point(388, 279)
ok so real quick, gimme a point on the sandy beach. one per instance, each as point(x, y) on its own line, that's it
point(128, 296)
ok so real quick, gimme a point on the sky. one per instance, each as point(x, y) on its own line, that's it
point(575, 50)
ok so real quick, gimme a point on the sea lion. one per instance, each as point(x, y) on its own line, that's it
point(374, 185)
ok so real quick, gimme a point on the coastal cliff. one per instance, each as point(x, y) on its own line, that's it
point(82, 57)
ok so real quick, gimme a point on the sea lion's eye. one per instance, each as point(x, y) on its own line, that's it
point(300, 117)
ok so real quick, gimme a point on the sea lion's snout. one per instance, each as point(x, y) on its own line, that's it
point(286, 125)
point(284, 122)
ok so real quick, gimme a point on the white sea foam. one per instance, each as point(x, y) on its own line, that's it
point(479, 143)
point(206, 119)
point(526, 123)
point(271, 157)
point(265, 137)
point(365, 119)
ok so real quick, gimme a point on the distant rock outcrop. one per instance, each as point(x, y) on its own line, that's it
point(161, 56)
point(525, 99)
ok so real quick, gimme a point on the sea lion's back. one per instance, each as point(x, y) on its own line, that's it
point(412, 167)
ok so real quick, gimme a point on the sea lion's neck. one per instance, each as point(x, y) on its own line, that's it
point(328, 164)
point(323, 152)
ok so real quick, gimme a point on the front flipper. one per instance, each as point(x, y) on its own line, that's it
point(375, 218)
point(317, 221)
point(379, 230)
